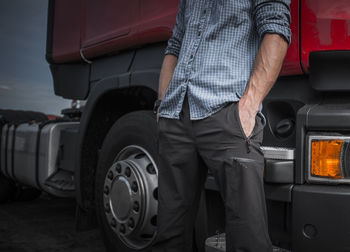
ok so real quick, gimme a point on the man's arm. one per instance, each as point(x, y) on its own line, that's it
point(172, 51)
point(267, 66)
point(166, 73)
point(272, 20)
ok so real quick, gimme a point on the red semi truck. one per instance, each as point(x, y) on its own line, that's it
point(109, 54)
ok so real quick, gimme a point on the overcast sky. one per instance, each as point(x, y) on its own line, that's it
point(25, 78)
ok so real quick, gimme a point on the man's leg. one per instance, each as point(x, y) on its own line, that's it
point(181, 179)
point(237, 165)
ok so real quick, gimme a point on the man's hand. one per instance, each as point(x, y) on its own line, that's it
point(166, 74)
point(267, 66)
point(246, 116)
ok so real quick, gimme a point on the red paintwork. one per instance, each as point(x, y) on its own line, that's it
point(99, 28)
point(66, 32)
point(53, 117)
point(108, 19)
point(325, 26)
point(291, 65)
point(116, 25)
point(151, 21)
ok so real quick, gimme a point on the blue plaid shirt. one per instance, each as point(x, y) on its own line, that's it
point(216, 42)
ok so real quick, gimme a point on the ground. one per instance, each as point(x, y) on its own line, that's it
point(42, 225)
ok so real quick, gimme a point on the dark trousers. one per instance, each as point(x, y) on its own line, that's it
point(237, 163)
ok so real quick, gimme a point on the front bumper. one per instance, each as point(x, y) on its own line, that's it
point(320, 218)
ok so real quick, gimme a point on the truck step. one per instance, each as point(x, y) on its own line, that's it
point(61, 180)
point(278, 153)
point(217, 243)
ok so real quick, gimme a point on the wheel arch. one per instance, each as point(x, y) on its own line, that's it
point(109, 99)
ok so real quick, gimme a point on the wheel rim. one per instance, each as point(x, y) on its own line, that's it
point(130, 197)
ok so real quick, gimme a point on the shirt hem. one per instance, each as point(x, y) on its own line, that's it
point(168, 116)
point(212, 112)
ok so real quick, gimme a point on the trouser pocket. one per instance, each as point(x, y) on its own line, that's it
point(255, 137)
point(246, 216)
point(258, 126)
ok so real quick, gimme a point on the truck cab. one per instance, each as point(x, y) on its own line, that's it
point(109, 54)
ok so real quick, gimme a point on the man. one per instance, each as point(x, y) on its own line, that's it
point(221, 61)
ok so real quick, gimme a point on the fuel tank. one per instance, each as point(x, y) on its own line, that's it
point(34, 154)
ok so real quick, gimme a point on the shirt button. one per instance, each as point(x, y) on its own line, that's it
point(191, 57)
point(205, 11)
point(199, 33)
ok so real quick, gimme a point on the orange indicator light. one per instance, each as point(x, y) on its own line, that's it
point(325, 158)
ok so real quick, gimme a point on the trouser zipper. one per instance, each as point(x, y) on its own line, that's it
point(246, 138)
point(247, 142)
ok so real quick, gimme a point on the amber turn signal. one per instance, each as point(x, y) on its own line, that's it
point(325, 158)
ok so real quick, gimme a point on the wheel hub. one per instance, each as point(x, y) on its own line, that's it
point(121, 189)
point(130, 197)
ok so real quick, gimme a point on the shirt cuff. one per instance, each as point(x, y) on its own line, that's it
point(172, 51)
point(277, 29)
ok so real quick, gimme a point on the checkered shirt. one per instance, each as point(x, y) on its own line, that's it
point(216, 42)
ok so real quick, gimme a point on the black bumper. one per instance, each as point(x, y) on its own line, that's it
point(320, 218)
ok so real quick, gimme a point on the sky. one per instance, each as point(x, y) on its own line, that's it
point(25, 78)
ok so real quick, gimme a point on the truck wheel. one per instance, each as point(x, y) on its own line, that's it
point(126, 183)
point(7, 189)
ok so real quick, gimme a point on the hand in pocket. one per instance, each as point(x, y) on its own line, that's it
point(246, 118)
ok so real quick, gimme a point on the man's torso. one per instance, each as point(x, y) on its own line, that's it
point(217, 54)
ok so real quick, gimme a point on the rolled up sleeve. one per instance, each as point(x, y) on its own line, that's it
point(175, 41)
point(273, 16)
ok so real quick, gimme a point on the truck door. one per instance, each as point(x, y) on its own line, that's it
point(158, 16)
point(108, 19)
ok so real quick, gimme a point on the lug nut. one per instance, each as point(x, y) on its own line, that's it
point(118, 168)
point(113, 223)
point(134, 186)
point(136, 206)
point(122, 229)
point(107, 208)
point(150, 169)
point(127, 172)
point(131, 223)
point(106, 190)
point(110, 175)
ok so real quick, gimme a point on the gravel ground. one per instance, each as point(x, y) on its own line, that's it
point(44, 225)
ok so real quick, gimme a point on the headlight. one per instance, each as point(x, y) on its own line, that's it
point(328, 159)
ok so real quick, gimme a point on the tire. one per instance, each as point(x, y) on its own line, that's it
point(7, 189)
point(132, 136)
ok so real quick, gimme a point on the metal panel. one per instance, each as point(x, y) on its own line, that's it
point(24, 161)
point(48, 152)
point(9, 151)
point(3, 149)
point(278, 153)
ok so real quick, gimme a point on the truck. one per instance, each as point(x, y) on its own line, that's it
point(108, 55)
